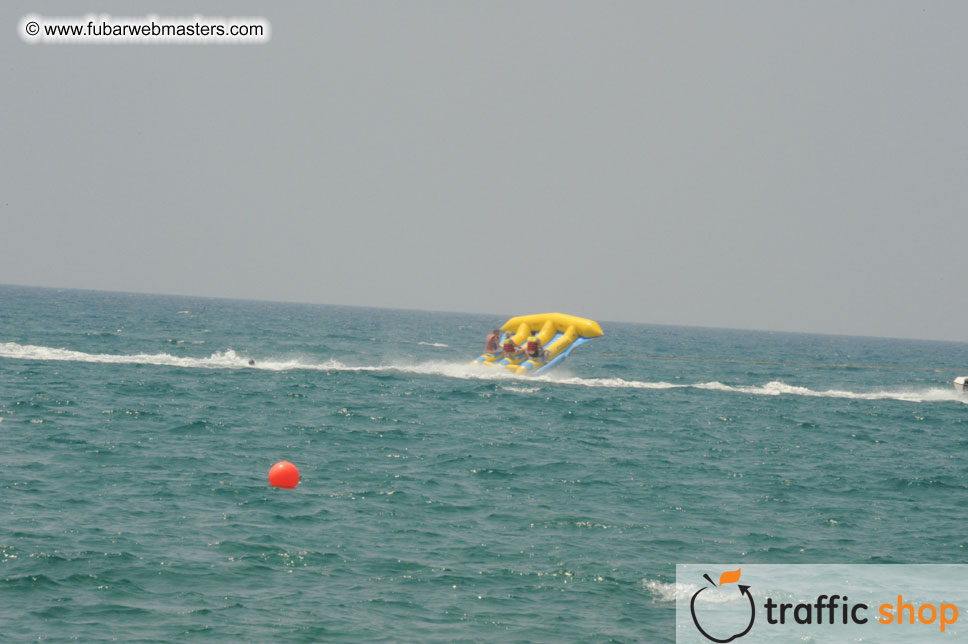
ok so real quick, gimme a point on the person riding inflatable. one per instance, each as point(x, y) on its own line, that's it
point(511, 349)
point(533, 347)
point(491, 343)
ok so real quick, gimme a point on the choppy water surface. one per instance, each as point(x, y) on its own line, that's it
point(439, 501)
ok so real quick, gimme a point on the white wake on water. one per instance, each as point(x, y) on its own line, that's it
point(672, 592)
point(229, 359)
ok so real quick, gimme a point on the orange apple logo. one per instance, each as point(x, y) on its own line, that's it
point(728, 577)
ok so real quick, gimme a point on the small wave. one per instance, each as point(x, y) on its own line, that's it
point(521, 390)
point(229, 359)
point(671, 592)
point(668, 592)
point(434, 344)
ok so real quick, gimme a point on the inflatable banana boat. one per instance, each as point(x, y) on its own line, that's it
point(559, 335)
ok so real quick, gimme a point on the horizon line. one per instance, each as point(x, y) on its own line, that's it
point(395, 308)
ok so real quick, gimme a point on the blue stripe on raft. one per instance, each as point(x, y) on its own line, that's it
point(541, 367)
point(558, 359)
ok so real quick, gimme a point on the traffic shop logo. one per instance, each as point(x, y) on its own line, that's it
point(708, 631)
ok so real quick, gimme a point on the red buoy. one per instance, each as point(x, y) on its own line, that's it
point(284, 474)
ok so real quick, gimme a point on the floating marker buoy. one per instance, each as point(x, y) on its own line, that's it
point(284, 474)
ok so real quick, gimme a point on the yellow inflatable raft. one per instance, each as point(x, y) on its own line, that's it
point(559, 335)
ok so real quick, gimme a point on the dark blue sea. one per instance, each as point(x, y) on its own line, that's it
point(440, 501)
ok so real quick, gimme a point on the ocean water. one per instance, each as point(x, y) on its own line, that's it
point(440, 502)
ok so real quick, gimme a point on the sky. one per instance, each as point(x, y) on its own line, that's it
point(786, 166)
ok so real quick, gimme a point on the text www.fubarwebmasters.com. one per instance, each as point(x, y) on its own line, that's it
point(93, 29)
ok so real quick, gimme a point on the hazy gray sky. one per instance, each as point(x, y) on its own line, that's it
point(766, 165)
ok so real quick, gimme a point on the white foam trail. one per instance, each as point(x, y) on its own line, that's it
point(218, 360)
point(777, 388)
point(611, 383)
point(434, 344)
point(229, 359)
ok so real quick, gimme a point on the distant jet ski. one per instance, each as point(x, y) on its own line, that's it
point(558, 333)
point(961, 383)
